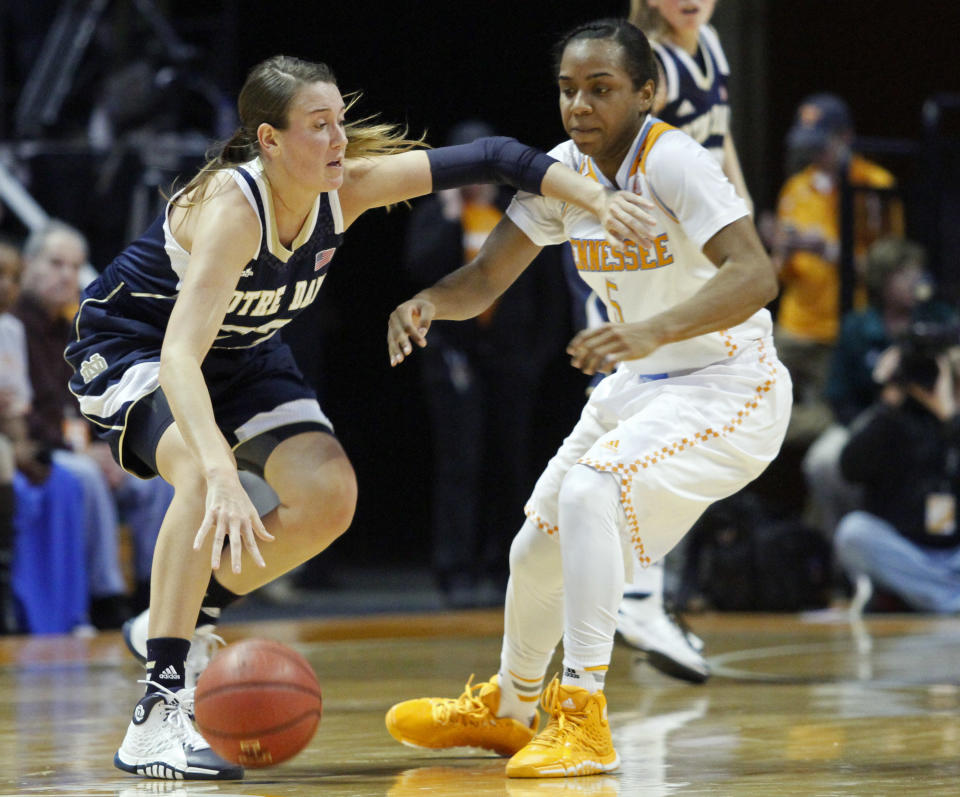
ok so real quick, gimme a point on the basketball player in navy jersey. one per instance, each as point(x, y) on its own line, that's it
point(692, 94)
point(177, 365)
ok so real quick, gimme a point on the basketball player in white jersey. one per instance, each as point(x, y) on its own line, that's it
point(692, 95)
point(697, 406)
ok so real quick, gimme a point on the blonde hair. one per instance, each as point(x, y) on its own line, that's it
point(648, 19)
point(265, 99)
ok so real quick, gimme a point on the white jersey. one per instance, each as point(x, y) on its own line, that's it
point(693, 201)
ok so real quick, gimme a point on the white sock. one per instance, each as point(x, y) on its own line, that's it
point(589, 678)
point(519, 696)
point(533, 620)
point(591, 523)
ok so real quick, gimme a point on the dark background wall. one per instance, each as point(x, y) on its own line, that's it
point(429, 65)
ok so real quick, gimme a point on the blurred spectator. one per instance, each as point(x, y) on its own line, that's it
point(900, 299)
point(480, 379)
point(806, 247)
point(906, 453)
point(14, 401)
point(53, 259)
point(41, 531)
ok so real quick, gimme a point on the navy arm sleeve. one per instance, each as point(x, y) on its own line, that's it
point(495, 159)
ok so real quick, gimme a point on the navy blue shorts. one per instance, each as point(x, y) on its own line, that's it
point(259, 396)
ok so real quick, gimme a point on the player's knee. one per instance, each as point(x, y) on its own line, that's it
point(585, 487)
point(187, 479)
point(341, 501)
point(328, 499)
point(535, 559)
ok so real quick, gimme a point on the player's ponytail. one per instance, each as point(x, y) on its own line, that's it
point(239, 148)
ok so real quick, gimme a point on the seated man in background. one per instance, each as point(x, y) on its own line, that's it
point(900, 297)
point(53, 257)
point(41, 504)
point(905, 451)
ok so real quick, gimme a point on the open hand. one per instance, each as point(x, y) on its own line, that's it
point(626, 217)
point(230, 513)
point(409, 321)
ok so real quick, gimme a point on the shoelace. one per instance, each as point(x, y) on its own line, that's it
point(178, 713)
point(467, 707)
point(560, 717)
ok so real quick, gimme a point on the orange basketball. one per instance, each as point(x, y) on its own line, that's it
point(258, 703)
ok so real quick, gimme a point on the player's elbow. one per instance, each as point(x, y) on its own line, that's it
point(767, 285)
point(759, 280)
point(173, 365)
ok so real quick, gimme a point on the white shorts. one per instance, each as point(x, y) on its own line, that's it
point(675, 444)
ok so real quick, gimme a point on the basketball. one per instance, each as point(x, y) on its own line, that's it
point(258, 703)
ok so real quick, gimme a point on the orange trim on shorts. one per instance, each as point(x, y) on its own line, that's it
point(728, 342)
point(626, 472)
point(539, 522)
point(598, 668)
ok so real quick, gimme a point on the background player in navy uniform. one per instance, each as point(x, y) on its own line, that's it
point(692, 94)
point(177, 364)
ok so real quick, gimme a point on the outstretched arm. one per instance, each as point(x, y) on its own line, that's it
point(374, 182)
point(464, 293)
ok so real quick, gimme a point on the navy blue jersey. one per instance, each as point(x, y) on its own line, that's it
point(273, 287)
point(696, 95)
point(123, 315)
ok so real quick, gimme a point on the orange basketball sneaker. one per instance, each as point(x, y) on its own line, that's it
point(468, 721)
point(575, 741)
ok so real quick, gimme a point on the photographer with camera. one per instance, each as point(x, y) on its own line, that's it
point(905, 451)
point(900, 295)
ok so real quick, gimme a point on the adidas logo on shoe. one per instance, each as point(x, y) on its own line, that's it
point(169, 674)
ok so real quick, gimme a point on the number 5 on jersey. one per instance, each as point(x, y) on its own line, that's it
point(617, 313)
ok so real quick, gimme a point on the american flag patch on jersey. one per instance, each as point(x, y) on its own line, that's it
point(323, 258)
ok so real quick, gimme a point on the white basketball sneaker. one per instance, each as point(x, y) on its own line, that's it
point(202, 647)
point(162, 743)
point(645, 624)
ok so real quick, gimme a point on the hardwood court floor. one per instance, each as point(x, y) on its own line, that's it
point(797, 706)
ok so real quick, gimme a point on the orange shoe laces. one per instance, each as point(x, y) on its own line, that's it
point(562, 720)
point(468, 708)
